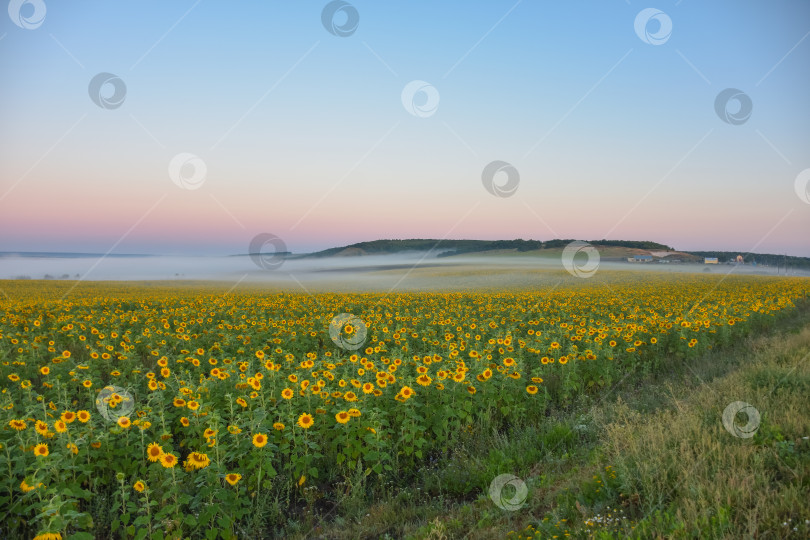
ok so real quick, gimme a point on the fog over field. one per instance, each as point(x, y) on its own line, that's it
point(408, 271)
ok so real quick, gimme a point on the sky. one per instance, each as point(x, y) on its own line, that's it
point(191, 127)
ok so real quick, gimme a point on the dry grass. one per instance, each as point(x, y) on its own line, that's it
point(714, 484)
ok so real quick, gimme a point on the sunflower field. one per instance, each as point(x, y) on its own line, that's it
point(152, 411)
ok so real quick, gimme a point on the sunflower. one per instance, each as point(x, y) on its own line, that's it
point(60, 426)
point(139, 486)
point(368, 388)
point(278, 426)
point(73, 448)
point(342, 417)
point(259, 440)
point(305, 421)
point(531, 389)
point(87, 383)
point(68, 416)
point(198, 460)
point(241, 402)
point(193, 405)
point(19, 425)
point(154, 452)
point(124, 422)
point(233, 478)
point(48, 535)
point(168, 460)
point(25, 487)
point(41, 427)
point(184, 421)
point(83, 416)
point(41, 450)
point(179, 402)
point(113, 400)
point(354, 413)
point(287, 393)
point(44, 370)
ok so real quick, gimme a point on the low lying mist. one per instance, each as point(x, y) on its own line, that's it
point(405, 271)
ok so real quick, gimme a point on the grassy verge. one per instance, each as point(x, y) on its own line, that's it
point(650, 459)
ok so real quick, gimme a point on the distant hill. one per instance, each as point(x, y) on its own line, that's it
point(384, 247)
point(446, 248)
point(609, 249)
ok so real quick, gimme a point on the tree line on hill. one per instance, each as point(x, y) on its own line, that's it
point(456, 247)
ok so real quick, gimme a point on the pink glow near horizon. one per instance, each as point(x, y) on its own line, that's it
point(205, 227)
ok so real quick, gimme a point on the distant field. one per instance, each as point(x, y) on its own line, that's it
point(257, 413)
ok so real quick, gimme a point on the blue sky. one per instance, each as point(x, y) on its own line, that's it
point(304, 133)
